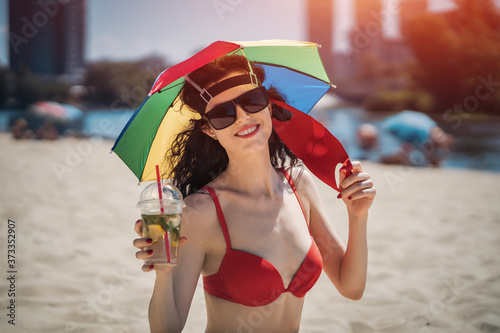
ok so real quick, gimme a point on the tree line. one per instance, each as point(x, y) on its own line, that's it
point(104, 84)
point(456, 66)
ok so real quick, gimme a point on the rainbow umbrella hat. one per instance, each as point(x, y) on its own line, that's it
point(294, 68)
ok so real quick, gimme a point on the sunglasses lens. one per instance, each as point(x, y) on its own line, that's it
point(222, 116)
point(254, 101)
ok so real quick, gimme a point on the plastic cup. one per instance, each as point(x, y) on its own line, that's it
point(161, 221)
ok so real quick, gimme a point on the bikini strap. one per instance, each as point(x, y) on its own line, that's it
point(220, 215)
point(292, 185)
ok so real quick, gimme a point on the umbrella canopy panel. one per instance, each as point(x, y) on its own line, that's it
point(136, 139)
point(300, 91)
point(297, 57)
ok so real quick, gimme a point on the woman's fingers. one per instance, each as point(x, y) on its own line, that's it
point(142, 242)
point(146, 268)
point(182, 240)
point(163, 268)
point(365, 193)
point(356, 175)
point(357, 187)
point(356, 166)
point(138, 227)
point(354, 179)
point(144, 254)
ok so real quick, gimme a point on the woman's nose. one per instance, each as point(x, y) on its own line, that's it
point(241, 115)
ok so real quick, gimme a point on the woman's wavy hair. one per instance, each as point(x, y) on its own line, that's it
point(195, 159)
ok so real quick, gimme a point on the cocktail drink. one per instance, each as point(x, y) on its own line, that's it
point(161, 221)
point(164, 230)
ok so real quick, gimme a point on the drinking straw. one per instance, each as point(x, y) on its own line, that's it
point(158, 181)
point(165, 237)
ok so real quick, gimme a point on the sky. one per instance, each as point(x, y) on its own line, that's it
point(175, 29)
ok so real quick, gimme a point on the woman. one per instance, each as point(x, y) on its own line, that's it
point(255, 231)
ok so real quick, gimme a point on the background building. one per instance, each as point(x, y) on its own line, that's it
point(368, 28)
point(320, 27)
point(47, 38)
point(355, 69)
point(408, 9)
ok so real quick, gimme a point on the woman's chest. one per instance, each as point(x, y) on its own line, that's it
point(273, 230)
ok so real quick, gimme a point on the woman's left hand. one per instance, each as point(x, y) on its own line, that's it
point(357, 190)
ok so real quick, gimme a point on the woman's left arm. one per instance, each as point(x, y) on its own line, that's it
point(345, 266)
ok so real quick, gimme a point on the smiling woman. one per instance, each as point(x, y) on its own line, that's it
point(253, 226)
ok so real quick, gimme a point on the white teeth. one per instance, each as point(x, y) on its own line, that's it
point(248, 131)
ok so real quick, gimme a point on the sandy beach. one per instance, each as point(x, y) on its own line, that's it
point(434, 242)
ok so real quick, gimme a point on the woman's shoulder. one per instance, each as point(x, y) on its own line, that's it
point(300, 176)
point(199, 212)
point(305, 184)
point(198, 204)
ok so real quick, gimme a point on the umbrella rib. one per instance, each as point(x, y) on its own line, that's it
point(169, 87)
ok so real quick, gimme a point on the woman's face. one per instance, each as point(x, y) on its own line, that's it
point(249, 132)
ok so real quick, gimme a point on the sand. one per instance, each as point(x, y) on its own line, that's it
point(434, 245)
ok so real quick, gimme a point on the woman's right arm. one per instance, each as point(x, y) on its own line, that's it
point(175, 286)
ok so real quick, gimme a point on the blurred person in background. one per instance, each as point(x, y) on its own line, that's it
point(408, 138)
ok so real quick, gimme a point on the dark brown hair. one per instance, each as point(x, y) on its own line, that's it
point(195, 159)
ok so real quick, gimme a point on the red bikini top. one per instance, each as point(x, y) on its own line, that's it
point(250, 280)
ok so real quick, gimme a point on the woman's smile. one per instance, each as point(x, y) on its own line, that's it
point(247, 131)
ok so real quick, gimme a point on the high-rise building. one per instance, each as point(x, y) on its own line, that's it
point(408, 9)
point(320, 27)
point(397, 50)
point(368, 29)
point(367, 11)
point(47, 36)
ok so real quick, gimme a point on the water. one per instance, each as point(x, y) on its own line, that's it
point(477, 144)
point(105, 123)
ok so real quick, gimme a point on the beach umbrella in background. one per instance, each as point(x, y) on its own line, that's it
point(56, 111)
point(294, 68)
point(63, 118)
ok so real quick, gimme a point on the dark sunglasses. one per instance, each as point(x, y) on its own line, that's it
point(224, 115)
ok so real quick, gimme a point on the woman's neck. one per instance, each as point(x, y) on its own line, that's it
point(252, 174)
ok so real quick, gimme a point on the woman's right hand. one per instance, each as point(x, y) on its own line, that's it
point(141, 243)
